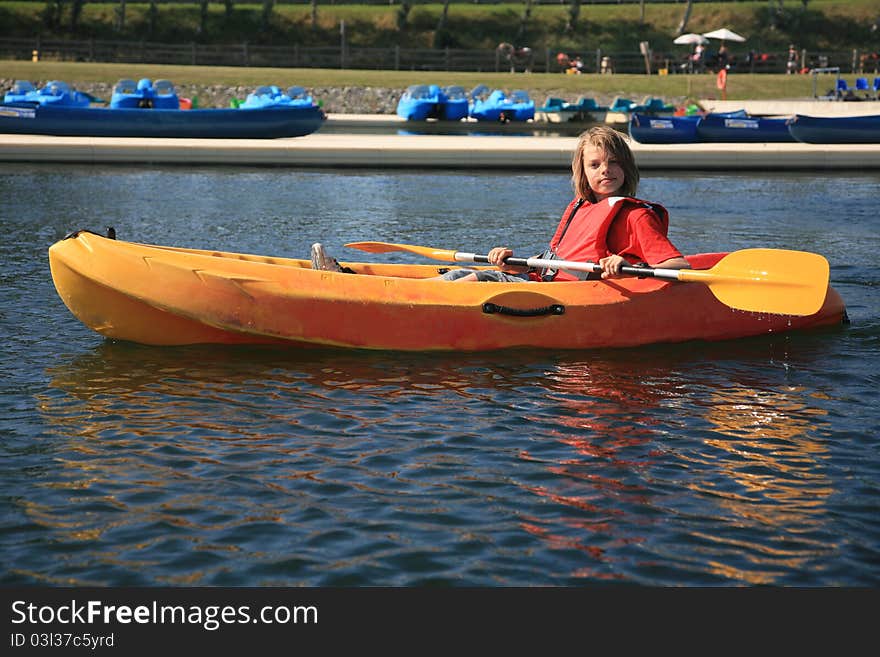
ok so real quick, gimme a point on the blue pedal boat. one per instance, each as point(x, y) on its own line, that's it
point(498, 106)
point(454, 103)
point(419, 102)
point(148, 110)
point(144, 95)
point(557, 110)
point(423, 101)
point(274, 96)
point(56, 93)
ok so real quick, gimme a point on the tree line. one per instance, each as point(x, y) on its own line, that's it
point(54, 11)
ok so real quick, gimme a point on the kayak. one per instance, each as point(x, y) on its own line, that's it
point(743, 129)
point(647, 129)
point(210, 123)
point(835, 129)
point(161, 295)
point(736, 127)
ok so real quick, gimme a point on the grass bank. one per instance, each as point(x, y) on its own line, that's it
point(740, 86)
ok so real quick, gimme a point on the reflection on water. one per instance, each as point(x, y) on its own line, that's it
point(763, 483)
point(605, 420)
point(227, 465)
point(773, 469)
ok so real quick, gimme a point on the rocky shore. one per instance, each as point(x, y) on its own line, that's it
point(334, 100)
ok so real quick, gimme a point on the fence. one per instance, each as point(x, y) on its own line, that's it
point(394, 58)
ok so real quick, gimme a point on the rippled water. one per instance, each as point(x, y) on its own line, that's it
point(747, 462)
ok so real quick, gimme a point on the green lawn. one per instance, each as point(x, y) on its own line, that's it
point(740, 87)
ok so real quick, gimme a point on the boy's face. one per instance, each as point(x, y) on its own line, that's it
point(603, 171)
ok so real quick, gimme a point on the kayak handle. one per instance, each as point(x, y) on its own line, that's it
point(553, 309)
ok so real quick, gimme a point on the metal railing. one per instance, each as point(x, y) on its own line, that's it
point(392, 58)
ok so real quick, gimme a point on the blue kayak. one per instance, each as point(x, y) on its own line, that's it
point(259, 123)
point(742, 129)
point(647, 129)
point(731, 127)
point(835, 129)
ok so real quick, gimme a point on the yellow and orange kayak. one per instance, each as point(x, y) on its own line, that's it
point(160, 295)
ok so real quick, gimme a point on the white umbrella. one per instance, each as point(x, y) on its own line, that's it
point(724, 34)
point(686, 39)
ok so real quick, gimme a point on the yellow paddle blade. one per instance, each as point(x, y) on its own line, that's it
point(447, 255)
point(767, 280)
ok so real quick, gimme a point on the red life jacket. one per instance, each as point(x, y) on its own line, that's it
point(582, 233)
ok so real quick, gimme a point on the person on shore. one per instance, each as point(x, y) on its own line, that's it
point(722, 59)
point(792, 65)
point(604, 223)
point(698, 59)
point(563, 61)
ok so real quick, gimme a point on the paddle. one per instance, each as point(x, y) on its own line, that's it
point(757, 280)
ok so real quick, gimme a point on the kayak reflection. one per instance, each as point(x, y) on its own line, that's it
point(233, 465)
point(630, 482)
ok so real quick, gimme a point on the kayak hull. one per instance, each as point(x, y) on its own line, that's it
point(260, 123)
point(835, 129)
point(170, 296)
point(743, 129)
point(647, 129)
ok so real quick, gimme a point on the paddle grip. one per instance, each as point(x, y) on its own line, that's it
point(641, 272)
point(512, 261)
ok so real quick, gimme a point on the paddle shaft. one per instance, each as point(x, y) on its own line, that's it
point(542, 263)
point(757, 280)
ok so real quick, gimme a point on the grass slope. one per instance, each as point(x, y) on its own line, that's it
point(740, 86)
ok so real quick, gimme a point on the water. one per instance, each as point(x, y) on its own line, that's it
point(748, 462)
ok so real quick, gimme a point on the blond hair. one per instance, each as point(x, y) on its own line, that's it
point(615, 145)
